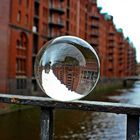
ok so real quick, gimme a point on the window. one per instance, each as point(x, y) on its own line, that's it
point(23, 67)
point(68, 3)
point(18, 84)
point(93, 75)
point(22, 41)
point(21, 83)
point(18, 16)
point(17, 43)
point(21, 61)
point(20, 65)
point(89, 75)
point(36, 8)
point(85, 75)
point(49, 32)
point(67, 25)
point(17, 65)
point(45, 27)
point(26, 20)
point(68, 13)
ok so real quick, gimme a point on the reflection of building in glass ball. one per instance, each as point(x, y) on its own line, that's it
point(67, 68)
point(88, 76)
point(76, 78)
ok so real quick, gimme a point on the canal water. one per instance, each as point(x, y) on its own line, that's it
point(72, 125)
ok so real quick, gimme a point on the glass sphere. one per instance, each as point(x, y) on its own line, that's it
point(67, 68)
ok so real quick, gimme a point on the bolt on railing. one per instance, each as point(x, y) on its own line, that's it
point(47, 106)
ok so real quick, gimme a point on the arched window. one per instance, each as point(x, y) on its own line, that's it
point(24, 39)
point(22, 42)
point(18, 43)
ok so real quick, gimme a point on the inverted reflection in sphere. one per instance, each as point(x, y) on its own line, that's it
point(67, 68)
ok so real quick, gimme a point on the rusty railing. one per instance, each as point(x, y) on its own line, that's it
point(47, 106)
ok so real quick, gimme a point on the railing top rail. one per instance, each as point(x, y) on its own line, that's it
point(118, 108)
point(132, 78)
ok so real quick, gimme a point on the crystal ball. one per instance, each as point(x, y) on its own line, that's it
point(67, 68)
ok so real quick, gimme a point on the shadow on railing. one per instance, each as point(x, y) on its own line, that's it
point(47, 106)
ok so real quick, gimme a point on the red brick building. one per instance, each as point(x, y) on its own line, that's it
point(138, 69)
point(25, 25)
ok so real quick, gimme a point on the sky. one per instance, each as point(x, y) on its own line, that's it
point(126, 16)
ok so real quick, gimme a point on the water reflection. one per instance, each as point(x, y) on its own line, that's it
point(131, 96)
point(22, 125)
point(90, 126)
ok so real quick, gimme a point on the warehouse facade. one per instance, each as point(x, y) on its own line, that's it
point(25, 25)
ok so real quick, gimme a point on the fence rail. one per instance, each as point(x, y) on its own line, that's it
point(47, 106)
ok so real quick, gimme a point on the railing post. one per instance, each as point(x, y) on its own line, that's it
point(132, 127)
point(46, 123)
point(124, 83)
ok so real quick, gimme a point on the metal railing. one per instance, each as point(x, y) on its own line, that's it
point(130, 78)
point(47, 106)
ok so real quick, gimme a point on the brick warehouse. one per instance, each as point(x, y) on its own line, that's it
point(25, 25)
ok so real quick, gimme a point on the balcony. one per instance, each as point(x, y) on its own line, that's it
point(121, 53)
point(110, 69)
point(110, 38)
point(51, 36)
point(95, 25)
point(95, 34)
point(111, 33)
point(57, 9)
point(110, 53)
point(111, 45)
point(54, 23)
point(120, 59)
point(95, 17)
point(110, 58)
